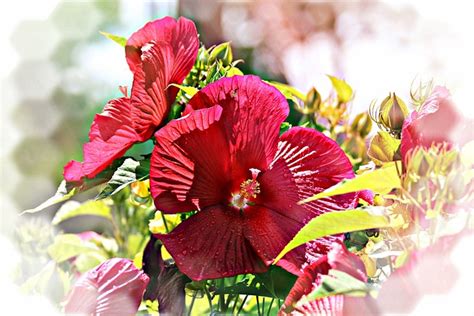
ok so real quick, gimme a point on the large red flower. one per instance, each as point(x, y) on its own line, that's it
point(338, 258)
point(436, 122)
point(225, 159)
point(159, 54)
point(113, 288)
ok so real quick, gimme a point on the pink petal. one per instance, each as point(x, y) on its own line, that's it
point(190, 162)
point(211, 244)
point(114, 287)
point(110, 136)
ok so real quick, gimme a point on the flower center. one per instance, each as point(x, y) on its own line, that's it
point(248, 190)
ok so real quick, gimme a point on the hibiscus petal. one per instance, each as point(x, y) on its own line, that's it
point(190, 162)
point(211, 244)
point(252, 114)
point(114, 287)
point(306, 163)
point(110, 136)
point(181, 34)
point(159, 54)
point(149, 100)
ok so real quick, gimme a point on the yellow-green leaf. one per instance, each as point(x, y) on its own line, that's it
point(62, 194)
point(336, 223)
point(380, 181)
point(383, 148)
point(122, 41)
point(288, 91)
point(234, 71)
point(67, 246)
point(343, 89)
point(190, 91)
point(72, 208)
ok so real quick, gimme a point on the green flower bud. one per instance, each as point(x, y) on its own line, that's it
point(222, 52)
point(391, 114)
point(362, 124)
point(312, 102)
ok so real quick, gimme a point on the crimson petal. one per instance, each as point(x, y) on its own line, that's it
point(110, 136)
point(159, 54)
point(212, 244)
point(189, 165)
point(253, 113)
point(114, 287)
point(306, 163)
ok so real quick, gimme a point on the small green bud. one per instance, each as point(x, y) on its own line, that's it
point(222, 52)
point(362, 124)
point(393, 112)
point(311, 104)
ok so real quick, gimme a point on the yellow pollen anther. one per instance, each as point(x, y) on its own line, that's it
point(249, 188)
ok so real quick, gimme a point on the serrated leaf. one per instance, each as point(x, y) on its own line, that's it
point(383, 148)
point(67, 246)
point(288, 91)
point(343, 90)
point(130, 171)
point(190, 91)
point(122, 41)
point(380, 181)
point(72, 208)
point(336, 223)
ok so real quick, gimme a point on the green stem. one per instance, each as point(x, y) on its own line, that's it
point(243, 303)
point(209, 299)
point(258, 305)
point(164, 221)
point(192, 303)
point(270, 307)
point(222, 308)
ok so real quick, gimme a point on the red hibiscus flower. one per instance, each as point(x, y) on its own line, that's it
point(338, 258)
point(436, 122)
point(113, 288)
point(225, 159)
point(159, 54)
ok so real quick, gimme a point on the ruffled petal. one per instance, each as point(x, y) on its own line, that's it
point(212, 244)
point(252, 114)
point(338, 258)
point(159, 54)
point(150, 103)
point(190, 165)
point(110, 136)
point(114, 287)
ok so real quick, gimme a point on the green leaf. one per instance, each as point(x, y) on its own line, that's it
point(288, 91)
point(190, 91)
point(336, 223)
point(338, 282)
point(67, 246)
point(130, 171)
point(380, 181)
point(39, 282)
point(62, 194)
point(285, 126)
point(277, 281)
point(66, 190)
point(234, 71)
point(343, 90)
point(383, 148)
point(72, 208)
point(122, 41)
point(86, 261)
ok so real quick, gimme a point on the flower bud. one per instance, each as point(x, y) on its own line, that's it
point(362, 124)
point(222, 52)
point(311, 104)
point(391, 114)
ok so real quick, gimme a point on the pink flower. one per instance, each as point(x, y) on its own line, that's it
point(436, 122)
point(338, 258)
point(225, 159)
point(113, 288)
point(159, 54)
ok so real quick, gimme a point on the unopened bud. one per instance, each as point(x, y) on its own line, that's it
point(362, 124)
point(393, 112)
point(222, 52)
point(311, 104)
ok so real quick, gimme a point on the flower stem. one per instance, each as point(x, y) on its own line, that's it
point(270, 307)
point(192, 303)
point(243, 303)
